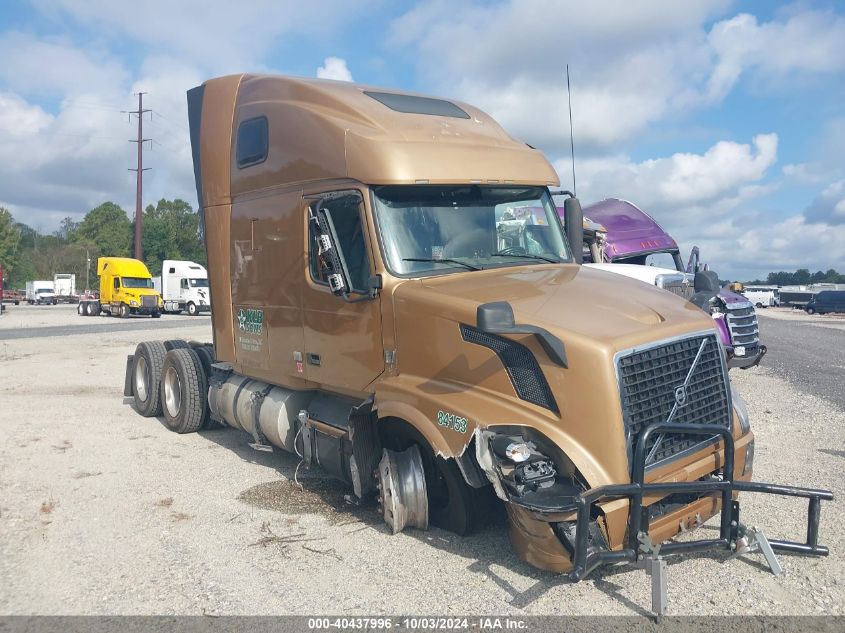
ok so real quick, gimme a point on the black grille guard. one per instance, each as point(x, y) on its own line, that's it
point(587, 557)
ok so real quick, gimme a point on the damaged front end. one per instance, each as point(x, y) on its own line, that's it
point(559, 523)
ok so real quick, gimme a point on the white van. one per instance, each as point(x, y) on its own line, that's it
point(762, 296)
point(184, 287)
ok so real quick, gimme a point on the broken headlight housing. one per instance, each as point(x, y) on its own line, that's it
point(521, 467)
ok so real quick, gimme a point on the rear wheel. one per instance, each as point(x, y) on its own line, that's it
point(93, 309)
point(80, 310)
point(146, 377)
point(184, 391)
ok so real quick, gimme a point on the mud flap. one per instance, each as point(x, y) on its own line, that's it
point(128, 383)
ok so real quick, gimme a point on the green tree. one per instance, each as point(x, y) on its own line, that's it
point(170, 231)
point(106, 226)
point(10, 238)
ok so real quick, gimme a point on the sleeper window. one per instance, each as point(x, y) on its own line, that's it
point(252, 142)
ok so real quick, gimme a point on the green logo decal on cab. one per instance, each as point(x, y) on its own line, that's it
point(452, 421)
point(250, 320)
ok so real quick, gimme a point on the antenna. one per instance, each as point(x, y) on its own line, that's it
point(571, 138)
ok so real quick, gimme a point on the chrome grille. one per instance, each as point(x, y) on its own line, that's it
point(678, 284)
point(742, 323)
point(649, 380)
point(148, 301)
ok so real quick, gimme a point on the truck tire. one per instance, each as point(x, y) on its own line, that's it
point(94, 308)
point(176, 343)
point(80, 309)
point(146, 377)
point(123, 311)
point(184, 391)
point(452, 504)
point(156, 315)
point(811, 311)
point(192, 309)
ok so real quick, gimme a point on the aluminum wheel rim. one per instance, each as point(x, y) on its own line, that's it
point(141, 379)
point(172, 392)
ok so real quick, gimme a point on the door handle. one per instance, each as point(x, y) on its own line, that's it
point(313, 359)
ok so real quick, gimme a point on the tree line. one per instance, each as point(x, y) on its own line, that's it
point(170, 231)
point(800, 277)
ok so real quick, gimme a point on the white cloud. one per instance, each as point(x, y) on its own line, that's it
point(726, 171)
point(829, 206)
point(334, 68)
point(221, 36)
point(806, 40)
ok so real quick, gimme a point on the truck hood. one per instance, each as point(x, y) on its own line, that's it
point(575, 301)
point(595, 314)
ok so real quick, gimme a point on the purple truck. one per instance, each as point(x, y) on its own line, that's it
point(621, 238)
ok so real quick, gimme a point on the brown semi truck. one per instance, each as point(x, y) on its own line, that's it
point(377, 313)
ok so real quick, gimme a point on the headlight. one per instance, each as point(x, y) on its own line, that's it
point(741, 411)
point(511, 449)
point(133, 302)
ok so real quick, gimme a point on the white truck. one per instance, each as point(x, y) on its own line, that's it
point(64, 285)
point(184, 287)
point(40, 293)
point(762, 296)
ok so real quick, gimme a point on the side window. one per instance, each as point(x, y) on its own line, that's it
point(117, 283)
point(184, 284)
point(252, 142)
point(172, 270)
point(346, 216)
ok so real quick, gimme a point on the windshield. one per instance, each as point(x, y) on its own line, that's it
point(199, 283)
point(42, 291)
point(662, 259)
point(442, 229)
point(137, 282)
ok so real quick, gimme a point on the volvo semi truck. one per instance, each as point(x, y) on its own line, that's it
point(370, 317)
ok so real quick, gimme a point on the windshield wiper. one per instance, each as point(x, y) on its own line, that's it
point(528, 256)
point(441, 261)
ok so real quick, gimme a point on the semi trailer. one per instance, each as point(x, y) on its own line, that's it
point(369, 318)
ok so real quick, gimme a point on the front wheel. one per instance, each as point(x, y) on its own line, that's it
point(811, 310)
point(453, 504)
point(123, 311)
point(758, 305)
point(192, 309)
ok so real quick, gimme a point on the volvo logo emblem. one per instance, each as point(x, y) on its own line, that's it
point(680, 395)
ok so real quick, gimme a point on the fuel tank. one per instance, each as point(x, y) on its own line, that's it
point(235, 401)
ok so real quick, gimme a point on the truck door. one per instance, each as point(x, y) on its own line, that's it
point(343, 340)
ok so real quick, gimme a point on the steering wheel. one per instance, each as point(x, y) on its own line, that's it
point(513, 250)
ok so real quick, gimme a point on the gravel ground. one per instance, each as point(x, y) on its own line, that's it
point(105, 512)
point(807, 351)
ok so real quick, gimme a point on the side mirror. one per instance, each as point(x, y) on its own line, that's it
point(574, 220)
point(325, 237)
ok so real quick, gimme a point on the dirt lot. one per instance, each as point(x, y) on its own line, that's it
point(105, 512)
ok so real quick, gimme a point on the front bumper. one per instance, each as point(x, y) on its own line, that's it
point(745, 362)
point(584, 547)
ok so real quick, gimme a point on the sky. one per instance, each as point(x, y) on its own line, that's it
point(724, 120)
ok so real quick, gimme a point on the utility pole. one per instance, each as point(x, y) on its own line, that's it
point(140, 169)
point(87, 269)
